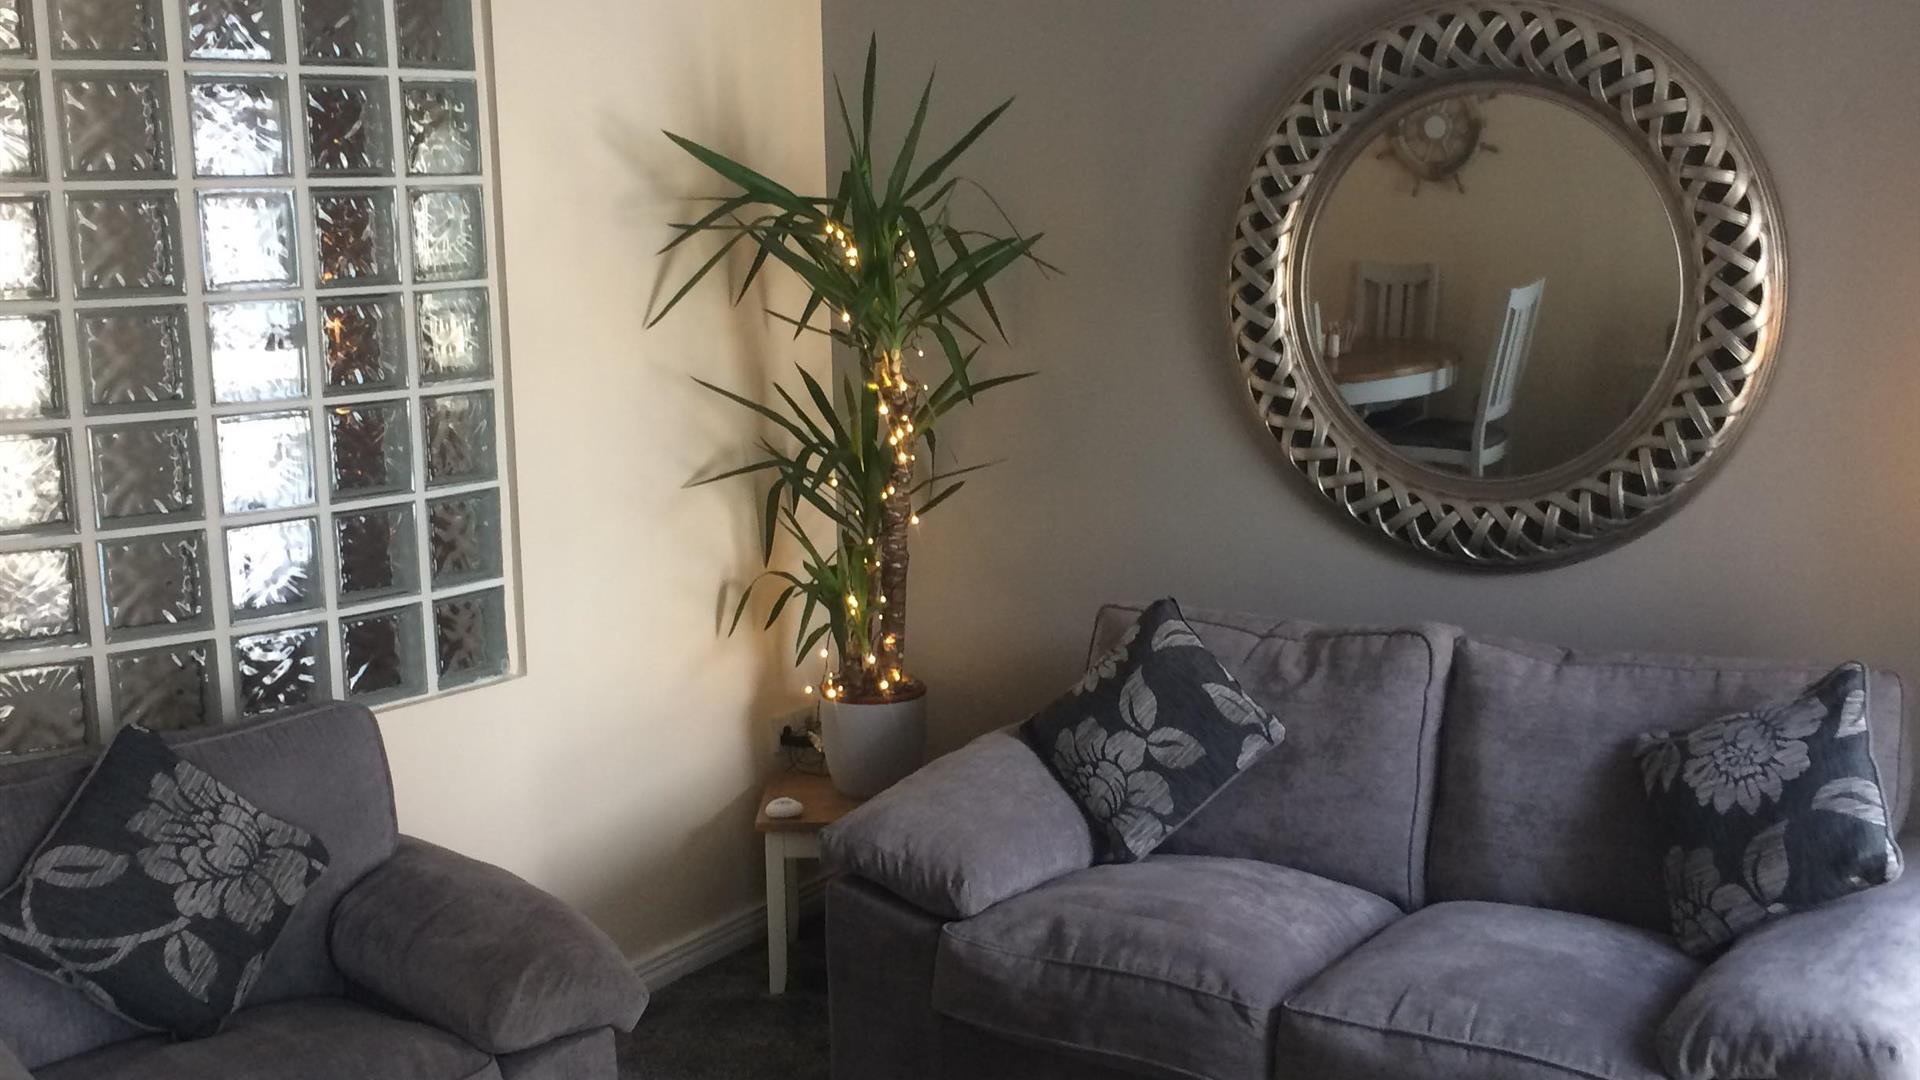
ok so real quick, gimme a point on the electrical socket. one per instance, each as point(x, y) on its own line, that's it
point(796, 722)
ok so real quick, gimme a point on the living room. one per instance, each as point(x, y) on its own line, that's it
point(566, 701)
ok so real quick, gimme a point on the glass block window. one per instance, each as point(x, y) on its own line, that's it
point(253, 440)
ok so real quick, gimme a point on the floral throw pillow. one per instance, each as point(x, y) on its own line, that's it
point(1769, 812)
point(159, 892)
point(1150, 735)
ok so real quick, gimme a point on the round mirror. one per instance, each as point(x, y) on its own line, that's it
point(1494, 283)
point(1506, 282)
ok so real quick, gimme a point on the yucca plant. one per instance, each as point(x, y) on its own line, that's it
point(892, 275)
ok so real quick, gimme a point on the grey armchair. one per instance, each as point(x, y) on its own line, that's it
point(405, 961)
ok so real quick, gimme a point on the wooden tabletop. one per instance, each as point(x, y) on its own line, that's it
point(1373, 359)
point(824, 805)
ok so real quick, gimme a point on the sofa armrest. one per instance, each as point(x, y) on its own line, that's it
point(475, 950)
point(1827, 994)
point(982, 824)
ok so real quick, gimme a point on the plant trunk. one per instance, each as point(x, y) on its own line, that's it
point(902, 399)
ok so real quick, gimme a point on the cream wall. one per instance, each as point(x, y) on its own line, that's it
point(621, 771)
point(1136, 469)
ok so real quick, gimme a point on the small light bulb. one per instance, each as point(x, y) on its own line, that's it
point(883, 408)
point(883, 684)
point(807, 691)
point(872, 659)
point(846, 316)
point(901, 458)
point(823, 652)
point(915, 519)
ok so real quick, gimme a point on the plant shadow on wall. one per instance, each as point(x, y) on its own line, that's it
point(894, 276)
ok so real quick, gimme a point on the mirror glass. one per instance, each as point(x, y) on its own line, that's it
point(1494, 283)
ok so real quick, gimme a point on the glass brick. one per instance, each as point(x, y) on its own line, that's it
point(375, 553)
point(280, 669)
point(347, 127)
point(165, 689)
point(434, 33)
point(23, 249)
point(257, 351)
point(447, 243)
point(362, 341)
point(453, 335)
point(20, 128)
point(233, 29)
point(154, 583)
point(239, 126)
point(30, 381)
point(247, 240)
point(40, 597)
point(16, 28)
point(463, 538)
point(459, 438)
point(44, 708)
point(114, 127)
point(343, 32)
point(273, 568)
point(266, 461)
point(380, 654)
point(356, 238)
point(33, 483)
point(443, 128)
point(135, 358)
point(145, 472)
point(372, 448)
point(125, 244)
point(107, 29)
point(470, 637)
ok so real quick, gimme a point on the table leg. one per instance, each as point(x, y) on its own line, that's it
point(779, 915)
point(793, 901)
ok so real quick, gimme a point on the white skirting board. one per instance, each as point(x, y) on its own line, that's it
point(719, 941)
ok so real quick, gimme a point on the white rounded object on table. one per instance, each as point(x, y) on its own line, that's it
point(783, 807)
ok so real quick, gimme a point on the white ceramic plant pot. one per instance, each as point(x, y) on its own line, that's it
point(872, 747)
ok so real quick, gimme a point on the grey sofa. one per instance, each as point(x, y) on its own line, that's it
point(404, 962)
point(1447, 871)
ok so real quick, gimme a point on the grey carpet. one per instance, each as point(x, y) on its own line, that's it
point(721, 1024)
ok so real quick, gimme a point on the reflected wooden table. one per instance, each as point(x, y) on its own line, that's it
point(788, 840)
point(1382, 371)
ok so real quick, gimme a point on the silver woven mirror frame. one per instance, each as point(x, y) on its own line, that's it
point(1733, 271)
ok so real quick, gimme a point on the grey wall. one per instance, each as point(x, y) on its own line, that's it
point(1136, 468)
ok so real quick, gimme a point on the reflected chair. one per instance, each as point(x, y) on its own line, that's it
point(1396, 300)
point(1474, 445)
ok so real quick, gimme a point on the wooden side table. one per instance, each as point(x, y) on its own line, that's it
point(789, 839)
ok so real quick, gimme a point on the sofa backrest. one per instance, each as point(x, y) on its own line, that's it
point(323, 768)
point(1539, 801)
point(1347, 795)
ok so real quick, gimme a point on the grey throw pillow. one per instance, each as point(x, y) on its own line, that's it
point(1153, 731)
point(1769, 812)
point(160, 890)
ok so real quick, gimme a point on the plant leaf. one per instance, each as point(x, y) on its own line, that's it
point(932, 173)
point(762, 188)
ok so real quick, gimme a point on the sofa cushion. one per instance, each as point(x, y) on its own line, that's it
point(1150, 734)
point(1830, 994)
point(1177, 963)
point(160, 891)
point(1488, 991)
point(324, 767)
point(1539, 799)
point(315, 1039)
point(1347, 798)
point(1769, 812)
